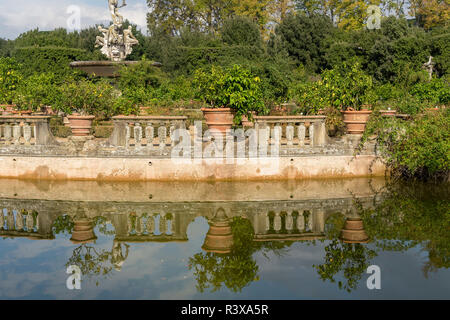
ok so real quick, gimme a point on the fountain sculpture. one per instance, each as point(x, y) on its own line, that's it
point(116, 44)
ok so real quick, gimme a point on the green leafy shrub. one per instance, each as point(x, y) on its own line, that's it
point(434, 92)
point(10, 79)
point(417, 149)
point(234, 88)
point(36, 92)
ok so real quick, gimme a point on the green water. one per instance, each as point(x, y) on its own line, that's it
point(282, 240)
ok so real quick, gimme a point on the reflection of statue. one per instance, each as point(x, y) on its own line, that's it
point(116, 42)
point(117, 258)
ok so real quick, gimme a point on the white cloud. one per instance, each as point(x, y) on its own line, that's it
point(49, 14)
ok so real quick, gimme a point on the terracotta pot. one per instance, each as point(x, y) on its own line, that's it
point(355, 121)
point(388, 113)
point(80, 125)
point(7, 109)
point(143, 111)
point(246, 122)
point(354, 232)
point(22, 112)
point(83, 231)
point(219, 238)
point(48, 110)
point(219, 119)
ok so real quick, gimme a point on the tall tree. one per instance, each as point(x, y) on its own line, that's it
point(430, 13)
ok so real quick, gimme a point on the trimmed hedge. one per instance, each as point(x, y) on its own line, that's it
point(49, 59)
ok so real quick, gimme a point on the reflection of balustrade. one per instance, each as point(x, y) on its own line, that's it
point(25, 130)
point(294, 130)
point(132, 131)
point(20, 221)
point(145, 224)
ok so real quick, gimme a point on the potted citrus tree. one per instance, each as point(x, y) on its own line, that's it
point(9, 81)
point(351, 90)
point(36, 93)
point(230, 95)
point(82, 101)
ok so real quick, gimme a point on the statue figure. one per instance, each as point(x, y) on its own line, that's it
point(129, 39)
point(429, 67)
point(116, 42)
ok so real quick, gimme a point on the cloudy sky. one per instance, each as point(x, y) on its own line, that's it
point(21, 15)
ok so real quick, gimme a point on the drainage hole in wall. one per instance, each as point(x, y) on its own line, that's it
point(150, 163)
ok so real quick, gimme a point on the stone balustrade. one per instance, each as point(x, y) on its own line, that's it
point(25, 130)
point(293, 131)
point(153, 132)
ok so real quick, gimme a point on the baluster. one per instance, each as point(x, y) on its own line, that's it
point(171, 230)
point(172, 127)
point(129, 224)
point(7, 133)
point(151, 224)
point(301, 222)
point(311, 134)
point(19, 221)
point(162, 134)
point(301, 134)
point(289, 221)
point(277, 222)
point(9, 219)
point(142, 224)
point(138, 225)
point(127, 135)
point(290, 135)
point(263, 140)
point(37, 222)
point(276, 141)
point(162, 223)
point(27, 133)
point(267, 222)
point(2, 219)
point(137, 134)
point(149, 134)
point(17, 132)
point(310, 222)
point(29, 222)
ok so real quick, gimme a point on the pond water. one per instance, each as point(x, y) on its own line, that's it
point(310, 239)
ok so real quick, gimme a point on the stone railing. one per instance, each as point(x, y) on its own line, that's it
point(25, 130)
point(294, 130)
point(149, 131)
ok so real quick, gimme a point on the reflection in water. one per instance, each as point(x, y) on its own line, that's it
point(350, 232)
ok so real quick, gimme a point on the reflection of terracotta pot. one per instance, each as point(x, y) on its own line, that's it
point(219, 119)
point(7, 109)
point(80, 125)
point(354, 232)
point(219, 238)
point(83, 231)
point(356, 121)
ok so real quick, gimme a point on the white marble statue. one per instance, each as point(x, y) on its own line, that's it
point(116, 42)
